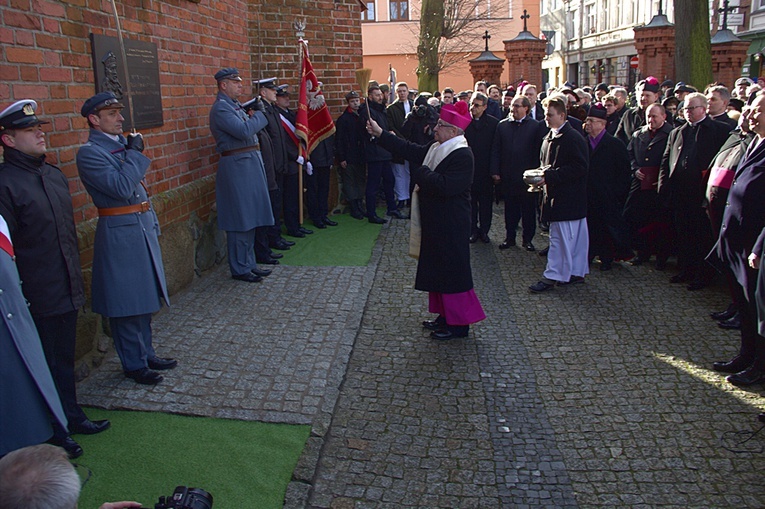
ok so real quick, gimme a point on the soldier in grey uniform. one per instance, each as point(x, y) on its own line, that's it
point(28, 395)
point(128, 275)
point(241, 187)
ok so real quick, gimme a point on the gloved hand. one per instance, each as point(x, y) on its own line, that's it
point(260, 105)
point(135, 142)
point(309, 168)
point(300, 160)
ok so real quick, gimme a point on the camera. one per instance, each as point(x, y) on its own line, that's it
point(186, 498)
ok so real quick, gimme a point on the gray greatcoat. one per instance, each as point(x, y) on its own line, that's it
point(241, 187)
point(28, 395)
point(128, 275)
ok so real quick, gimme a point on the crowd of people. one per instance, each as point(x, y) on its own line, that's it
point(679, 173)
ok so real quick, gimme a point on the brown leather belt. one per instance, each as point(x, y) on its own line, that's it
point(144, 206)
point(240, 150)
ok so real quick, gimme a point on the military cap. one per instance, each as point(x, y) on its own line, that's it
point(373, 83)
point(464, 93)
point(385, 87)
point(743, 81)
point(99, 102)
point(228, 73)
point(351, 95)
point(20, 115)
point(597, 111)
point(282, 90)
point(267, 83)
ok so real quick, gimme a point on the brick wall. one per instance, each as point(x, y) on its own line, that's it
point(45, 56)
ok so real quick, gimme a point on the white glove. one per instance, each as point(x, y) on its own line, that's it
point(309, 168)
point(300, 160)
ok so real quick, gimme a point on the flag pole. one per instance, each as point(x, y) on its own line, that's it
point(300, 166)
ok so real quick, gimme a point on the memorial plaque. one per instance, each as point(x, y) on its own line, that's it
point(143, 72)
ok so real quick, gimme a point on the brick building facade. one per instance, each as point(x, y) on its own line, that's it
point(46, 56)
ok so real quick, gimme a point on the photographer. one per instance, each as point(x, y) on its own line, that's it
point(418, 125)
point(41, 477)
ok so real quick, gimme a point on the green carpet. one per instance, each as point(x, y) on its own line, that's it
point(348, 244)
point(147, 454)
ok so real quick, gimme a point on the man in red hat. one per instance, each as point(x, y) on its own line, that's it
point(443, 173)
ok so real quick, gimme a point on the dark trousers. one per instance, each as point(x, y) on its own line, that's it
point(752, 344)
point(317, 192)
point(380, 172)
point(694, 240)
point(132, 340)
point(262, 251)
point(274, 232)
point(58, 335)
point(291, 201)
point(480, 212)
point(521, 207)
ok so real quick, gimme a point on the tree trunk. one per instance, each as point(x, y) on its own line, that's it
point(431, 28)
point(693, 50)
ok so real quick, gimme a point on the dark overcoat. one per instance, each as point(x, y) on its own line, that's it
point(241, 186)
point(128, 275)
point(642, 206)
point(349, 146)
point(28, 394)
point(515, 150)
point(36, 204)
point(743, 220)
point(632, 120)
point(608, 182)
point(444, 263)
point(373, 151)
point(565, 189)
point(480, 136)
point(759, 248)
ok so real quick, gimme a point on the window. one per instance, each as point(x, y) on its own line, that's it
point(399, 10)
point(590, 20)
point(369, 14)
point(604, 20)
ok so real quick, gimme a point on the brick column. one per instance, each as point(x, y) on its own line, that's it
point(524, 55)
point(487, 67)
point(655, 44)
point(728, 56)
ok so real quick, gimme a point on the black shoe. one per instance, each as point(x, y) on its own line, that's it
point(682, 277)
point(72, 448)
point(396, 214)
point(528, 246)
point(144, 376)
point(261, 272)
point(450, 332)
point(732, 323)
point(249, 277)
point(377, 220)
point(735, 365)
point(541, 286)
point(605, 266)
point(161, 363)
point(276, 256)
point(282, 245)
point(297, 233)
point(724, 315)
point(270, 260)
point(750, 376)
point(484, 238)
point(305, 230)
point(572, 281)
point(88, 427)
point(473, 238)
point(544, 251)
point(329, 222)
point(318, 223)
point(507, 244)
point(436, 324)
point(355, 214)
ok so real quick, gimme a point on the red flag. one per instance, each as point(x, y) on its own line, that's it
point(313, 123)
point(363, 5)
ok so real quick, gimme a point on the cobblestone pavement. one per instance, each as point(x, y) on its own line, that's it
point(594, 395)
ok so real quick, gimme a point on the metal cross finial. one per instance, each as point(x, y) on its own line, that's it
point(725, 10)
point(524, 18)
point(486, 38)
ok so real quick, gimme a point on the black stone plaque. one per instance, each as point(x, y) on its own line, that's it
point(143, 67)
